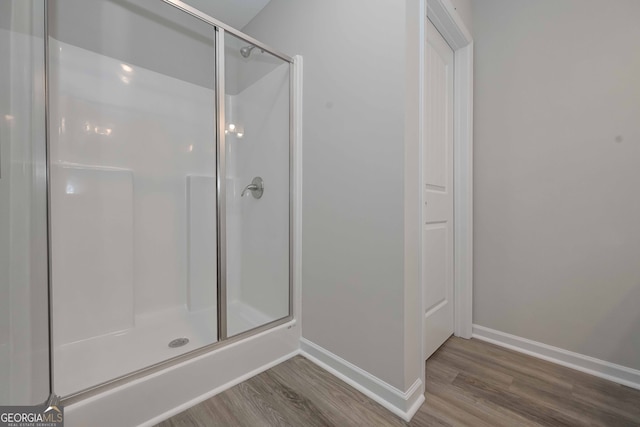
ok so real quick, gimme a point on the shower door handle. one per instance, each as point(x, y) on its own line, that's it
point(256, 187)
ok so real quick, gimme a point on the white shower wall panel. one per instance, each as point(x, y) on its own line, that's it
point(110, 115)
point(201, 206)
point(234, 213)
point(93, 263)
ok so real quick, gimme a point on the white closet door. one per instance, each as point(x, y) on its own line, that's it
point(438, 193)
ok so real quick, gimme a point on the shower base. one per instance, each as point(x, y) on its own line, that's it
point(84, 364)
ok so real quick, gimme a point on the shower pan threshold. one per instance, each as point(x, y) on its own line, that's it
point(120, 353)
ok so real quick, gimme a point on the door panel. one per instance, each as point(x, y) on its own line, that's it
point(132, 158)
point(437, 251)
point(435, 262)
point(257, 194)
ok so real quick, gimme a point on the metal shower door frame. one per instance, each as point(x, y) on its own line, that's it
point(220, 29)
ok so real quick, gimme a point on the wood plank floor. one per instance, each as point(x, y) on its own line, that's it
point(469, 383)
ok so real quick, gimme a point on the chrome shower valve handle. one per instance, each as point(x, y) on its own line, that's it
point(256, 187)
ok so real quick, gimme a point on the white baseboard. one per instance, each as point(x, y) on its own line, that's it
point(217, 390)
point(590, 365)
point(403, 404)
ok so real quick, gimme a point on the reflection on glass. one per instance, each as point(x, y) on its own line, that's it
point(257, 113)
point(132, 209)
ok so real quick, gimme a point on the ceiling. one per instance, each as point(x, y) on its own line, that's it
point(236, 13)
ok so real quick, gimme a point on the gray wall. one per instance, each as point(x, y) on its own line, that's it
point(464, 9)
point(557, 151)
point(353, 171)
point(24, 357)
point(5, 211)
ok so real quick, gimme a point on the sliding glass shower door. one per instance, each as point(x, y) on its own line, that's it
point(169, 188)
point(257, 141)
point(132, 187)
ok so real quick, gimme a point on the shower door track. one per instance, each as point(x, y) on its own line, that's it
point(223, 340)
point(178, 4)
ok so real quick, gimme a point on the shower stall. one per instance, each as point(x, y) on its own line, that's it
point(151, 193)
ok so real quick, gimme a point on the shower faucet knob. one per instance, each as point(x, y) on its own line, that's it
point(256, 187)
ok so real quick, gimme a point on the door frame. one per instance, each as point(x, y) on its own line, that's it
point(444, 17)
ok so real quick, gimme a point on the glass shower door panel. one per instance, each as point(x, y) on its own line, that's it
point(132, 187)
point(257, 191)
